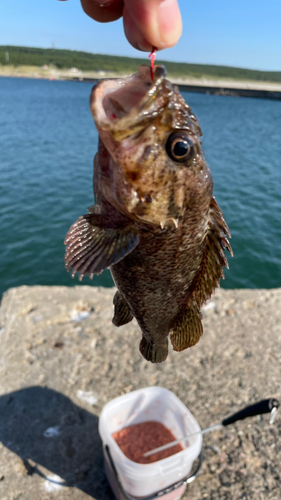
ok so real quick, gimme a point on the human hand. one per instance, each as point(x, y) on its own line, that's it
point(147, 23)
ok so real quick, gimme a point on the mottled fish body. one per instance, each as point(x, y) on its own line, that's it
point(155, 223)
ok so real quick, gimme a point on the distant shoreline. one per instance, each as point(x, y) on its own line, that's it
point(217, 86)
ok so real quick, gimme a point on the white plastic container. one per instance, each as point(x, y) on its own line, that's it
point(151, 403)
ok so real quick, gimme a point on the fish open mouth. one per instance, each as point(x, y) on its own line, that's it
point(118, 103)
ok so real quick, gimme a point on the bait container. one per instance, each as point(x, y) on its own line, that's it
point(166, 478)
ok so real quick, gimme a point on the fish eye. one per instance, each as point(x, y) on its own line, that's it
point(179, 147)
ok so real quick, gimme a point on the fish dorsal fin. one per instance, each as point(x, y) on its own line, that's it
point(187, 329)
point(213, 260)
point(92, 246)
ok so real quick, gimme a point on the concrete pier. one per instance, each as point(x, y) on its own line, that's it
point(230, 90)
point(62, 360)
point(259, 90)
point(215, 86)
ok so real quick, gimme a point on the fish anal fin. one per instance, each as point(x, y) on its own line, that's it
point(155, 352)
point(213, 259)
point(122, 312)
point(187, 329)
point(93, 245)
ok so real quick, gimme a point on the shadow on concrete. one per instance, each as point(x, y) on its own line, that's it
point(75, 454)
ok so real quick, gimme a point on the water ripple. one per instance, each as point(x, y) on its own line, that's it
point(48, 141)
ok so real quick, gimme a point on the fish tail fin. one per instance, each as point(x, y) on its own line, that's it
point(188, 328)
point(122, 312)
point(154, 352)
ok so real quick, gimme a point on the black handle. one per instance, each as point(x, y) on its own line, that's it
point(264, 406)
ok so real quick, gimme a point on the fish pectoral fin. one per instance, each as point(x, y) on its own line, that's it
point(156, 352)
point(122, 312)
point(91, 246)
point(188, 328)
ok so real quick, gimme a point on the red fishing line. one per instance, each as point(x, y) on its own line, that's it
point(152, 60)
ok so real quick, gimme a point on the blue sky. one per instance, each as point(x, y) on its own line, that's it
point(240, 33)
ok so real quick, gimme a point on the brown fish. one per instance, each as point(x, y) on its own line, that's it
point(156, 223)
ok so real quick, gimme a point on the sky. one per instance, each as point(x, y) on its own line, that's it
point(241, 33)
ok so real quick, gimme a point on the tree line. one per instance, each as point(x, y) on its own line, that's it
point(85, 61)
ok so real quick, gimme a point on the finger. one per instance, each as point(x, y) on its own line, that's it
point(103, 11)
point(150, 23)
point(134, 34)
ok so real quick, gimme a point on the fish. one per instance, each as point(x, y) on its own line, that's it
point(155, 222)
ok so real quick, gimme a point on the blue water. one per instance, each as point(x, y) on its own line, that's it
point(47, 144)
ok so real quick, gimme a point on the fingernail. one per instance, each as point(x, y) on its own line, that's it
point(169, 22)
point(143, 45)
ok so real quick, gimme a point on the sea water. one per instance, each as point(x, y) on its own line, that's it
point(47, 144)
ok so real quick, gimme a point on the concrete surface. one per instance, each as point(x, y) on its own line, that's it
point(57, 373)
